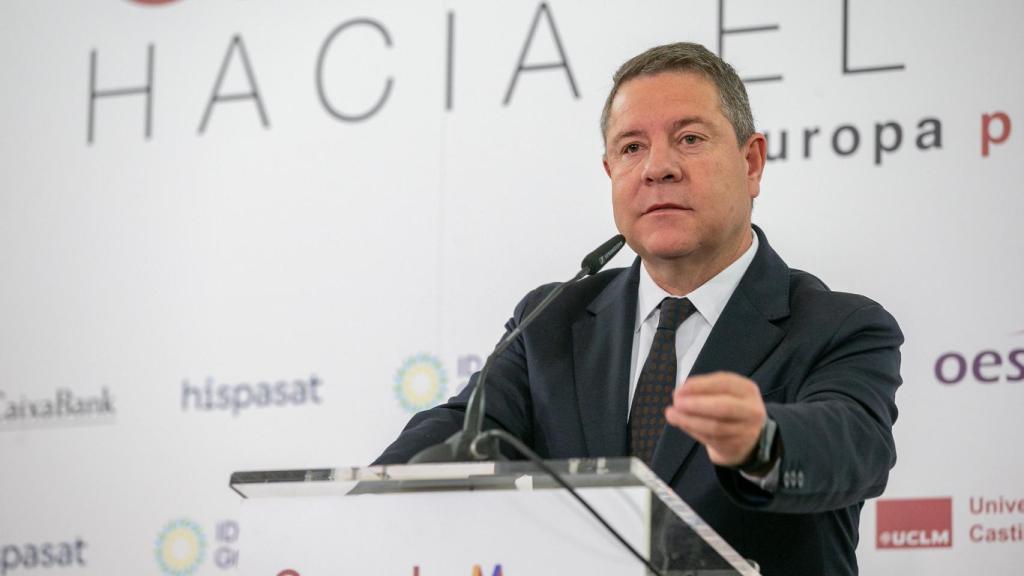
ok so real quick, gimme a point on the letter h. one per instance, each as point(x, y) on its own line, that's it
point(190, 392)
point(146, 89)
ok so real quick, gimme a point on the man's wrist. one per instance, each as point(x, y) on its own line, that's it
point(766, 452)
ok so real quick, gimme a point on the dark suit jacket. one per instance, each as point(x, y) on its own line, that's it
point(828, 367)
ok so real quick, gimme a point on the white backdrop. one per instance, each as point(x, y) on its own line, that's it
point(198, 297)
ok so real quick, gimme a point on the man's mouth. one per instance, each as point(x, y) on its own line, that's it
point(664, 208)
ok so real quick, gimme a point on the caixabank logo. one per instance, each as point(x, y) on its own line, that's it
point(61, 407)
point(182, 547)
point(914, 523)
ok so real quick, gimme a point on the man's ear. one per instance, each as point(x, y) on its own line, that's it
point(755, 151)
point(604, 161)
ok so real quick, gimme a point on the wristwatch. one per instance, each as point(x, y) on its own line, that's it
point(766, 450)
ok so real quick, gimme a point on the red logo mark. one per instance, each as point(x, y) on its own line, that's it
point(919, 523)
point(153, 2)
point(288, 572)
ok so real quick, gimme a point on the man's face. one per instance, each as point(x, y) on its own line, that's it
point(682, 186)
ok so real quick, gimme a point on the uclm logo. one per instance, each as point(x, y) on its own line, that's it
point(918, 523)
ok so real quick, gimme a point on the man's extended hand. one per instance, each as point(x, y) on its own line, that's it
point(723, 411)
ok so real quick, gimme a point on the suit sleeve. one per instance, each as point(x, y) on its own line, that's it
point(508, 399)
point(837, 443)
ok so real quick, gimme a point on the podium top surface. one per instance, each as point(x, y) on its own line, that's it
point(506, 475)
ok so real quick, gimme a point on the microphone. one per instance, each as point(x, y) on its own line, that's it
point(593, 262)
point(460, 446)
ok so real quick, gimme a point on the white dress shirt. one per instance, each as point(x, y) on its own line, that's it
point(709, 299)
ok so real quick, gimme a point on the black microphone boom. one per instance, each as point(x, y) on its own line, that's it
point(460, 446)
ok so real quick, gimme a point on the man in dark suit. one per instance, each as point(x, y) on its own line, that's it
point(763, 398)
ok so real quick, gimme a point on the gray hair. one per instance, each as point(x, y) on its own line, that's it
point(689, 57)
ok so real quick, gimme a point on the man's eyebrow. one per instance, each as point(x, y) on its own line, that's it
point(627, 134)
point(684, 122)
point(678, 124)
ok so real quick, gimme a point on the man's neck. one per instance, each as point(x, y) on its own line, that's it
point(680, 276)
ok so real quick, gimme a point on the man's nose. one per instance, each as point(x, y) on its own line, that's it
point(662, 166)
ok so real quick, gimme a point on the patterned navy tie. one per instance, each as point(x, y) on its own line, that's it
point(657, 381)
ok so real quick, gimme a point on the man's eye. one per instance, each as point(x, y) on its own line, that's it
point(691, 139)
point(631, 148)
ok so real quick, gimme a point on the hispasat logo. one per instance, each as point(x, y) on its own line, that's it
point(153, 2)
point(918, 523)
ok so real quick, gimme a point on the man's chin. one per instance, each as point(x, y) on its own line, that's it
point(666, 251)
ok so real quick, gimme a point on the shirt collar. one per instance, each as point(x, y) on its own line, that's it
point(709, 299)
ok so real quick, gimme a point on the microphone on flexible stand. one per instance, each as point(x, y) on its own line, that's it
point(471, 443)
point(461, 446)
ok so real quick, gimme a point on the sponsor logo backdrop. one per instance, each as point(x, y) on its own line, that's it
point(250, 235)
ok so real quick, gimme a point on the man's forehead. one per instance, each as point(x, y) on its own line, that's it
point(684, 86)
point(689, 96)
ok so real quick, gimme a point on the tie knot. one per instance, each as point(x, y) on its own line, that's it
point(673, 312)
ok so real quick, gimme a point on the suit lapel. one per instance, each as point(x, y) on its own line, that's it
point(741, 339)
point(602, 343)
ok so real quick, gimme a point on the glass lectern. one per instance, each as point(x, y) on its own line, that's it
point(504, 518)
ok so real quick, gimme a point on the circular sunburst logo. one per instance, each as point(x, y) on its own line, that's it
point(180, 548)
point(420, 382)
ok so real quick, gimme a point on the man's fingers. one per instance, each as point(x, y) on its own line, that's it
point(729, 408)
point(717, 383)
point(704, 430)
point(703, 384)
